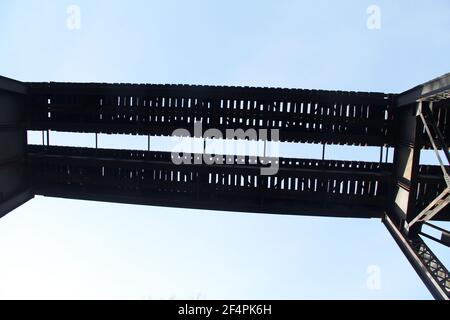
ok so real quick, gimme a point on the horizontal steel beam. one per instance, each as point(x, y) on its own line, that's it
point(435, 89)
point(302, 186)
point(13, 86)
point(314, 116)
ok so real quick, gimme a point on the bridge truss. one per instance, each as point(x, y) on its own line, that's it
point(404, 194)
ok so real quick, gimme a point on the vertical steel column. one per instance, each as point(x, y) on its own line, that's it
point(15, 186)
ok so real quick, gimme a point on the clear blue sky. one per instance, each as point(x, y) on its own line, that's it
point(54, 248)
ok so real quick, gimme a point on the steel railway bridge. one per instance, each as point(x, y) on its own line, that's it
point(404, 194)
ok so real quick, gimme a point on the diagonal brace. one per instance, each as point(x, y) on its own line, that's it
point(424, 112)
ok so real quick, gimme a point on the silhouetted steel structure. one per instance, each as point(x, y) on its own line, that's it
point(404, 194)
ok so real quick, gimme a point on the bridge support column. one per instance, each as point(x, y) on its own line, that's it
point(403, 219)
point(14, 181)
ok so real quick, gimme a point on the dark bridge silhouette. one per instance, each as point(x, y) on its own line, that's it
point(404, 194)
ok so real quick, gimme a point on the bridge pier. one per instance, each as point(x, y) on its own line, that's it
point(418, 129)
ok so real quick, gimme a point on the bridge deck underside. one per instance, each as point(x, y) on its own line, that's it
point(303, 187)
point(313, 187)
point(314, 116)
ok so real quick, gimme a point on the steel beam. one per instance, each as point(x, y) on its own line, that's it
point(310, 116)
point(417, 129)
point(301, 187)
point(13, 86)
point(406, 165)
point(14, 180)
point(435, 89)
point(432, 272)
point(441, 201)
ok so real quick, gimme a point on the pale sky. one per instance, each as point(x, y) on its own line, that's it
point(55, 248)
